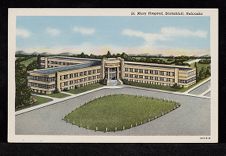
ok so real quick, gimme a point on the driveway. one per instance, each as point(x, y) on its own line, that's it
point(201, 89)
point(192, 118)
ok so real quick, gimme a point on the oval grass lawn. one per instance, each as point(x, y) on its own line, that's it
point(119, 112)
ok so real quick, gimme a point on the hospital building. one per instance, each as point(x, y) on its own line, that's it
point(65, 73)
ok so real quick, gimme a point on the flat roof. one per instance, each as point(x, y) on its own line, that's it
point(74, 58)
point(65, 68)
point(158, 65)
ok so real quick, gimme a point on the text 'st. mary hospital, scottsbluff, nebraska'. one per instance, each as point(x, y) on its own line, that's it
point(64, 73)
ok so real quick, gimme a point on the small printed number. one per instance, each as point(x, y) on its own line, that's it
point(204, 137)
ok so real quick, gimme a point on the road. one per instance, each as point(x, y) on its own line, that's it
point(192, 118)
point(201, 89)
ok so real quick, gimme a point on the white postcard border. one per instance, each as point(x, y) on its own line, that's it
point(12, 137)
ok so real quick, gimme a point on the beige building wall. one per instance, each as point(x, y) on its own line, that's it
point(132, 71)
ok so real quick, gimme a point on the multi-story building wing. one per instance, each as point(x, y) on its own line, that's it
point(159, 74)
point(63, 73)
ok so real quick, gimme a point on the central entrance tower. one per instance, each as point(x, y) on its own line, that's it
point(113, 70)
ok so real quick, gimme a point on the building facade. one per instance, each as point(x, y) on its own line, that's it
point(64, 73)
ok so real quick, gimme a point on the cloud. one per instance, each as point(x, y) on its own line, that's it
point(166, 33)
point(23, 33)
point(171, 31)
point(53, 31)
point(83, 30)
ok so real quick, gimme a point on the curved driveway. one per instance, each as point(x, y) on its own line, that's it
point(192, 118)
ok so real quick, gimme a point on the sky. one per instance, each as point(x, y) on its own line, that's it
point(165, 35)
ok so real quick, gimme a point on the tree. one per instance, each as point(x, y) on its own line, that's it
point(125, 56)
point(108, 54)
point(39, 61)
point(196, 69)
point(202, 73)
point(23, 92)
point(33, 65)
point(207, 74)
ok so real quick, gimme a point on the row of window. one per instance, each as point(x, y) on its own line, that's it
point(79, 85)
point(80, 80)
point(150, 82)
point(61, 63)
point(85, 73)
point(41, 78)
point(31, 84)
point(191, 73)
point(146, 71)
point(150, 77)
point(188, 81)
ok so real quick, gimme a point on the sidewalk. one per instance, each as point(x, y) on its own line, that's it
point(196, 86)
point(56, 100)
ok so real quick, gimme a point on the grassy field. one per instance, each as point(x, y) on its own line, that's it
point(119, 112)
point(85, 88)
point(28, 61)
point(199, 66)
point(145, 85)
point(58, 95)
point(40, 100)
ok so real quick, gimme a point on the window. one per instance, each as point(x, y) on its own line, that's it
point(75, 74)
point(126, 69)
point(81, 73)
point(89, 72)
point(131, 75)
point(146, 77)
point(66, 83)
point(146, 71)
point(156, 78)
point(156, 72)
point(131, 69)
point(141, 76)
point(161, 79)
point(85, 72)
point(151, 72)
point(65, 76)
point(136, 70)
point(161, 72)
point(126, 75)
point(140, 70)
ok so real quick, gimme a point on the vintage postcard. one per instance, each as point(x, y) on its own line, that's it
point(113, 75)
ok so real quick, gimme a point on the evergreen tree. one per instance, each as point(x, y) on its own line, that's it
point(207, 74)
point(39, 61)
point(202, 73)
point(197, 76)
point(108, 54)
point(23, 92)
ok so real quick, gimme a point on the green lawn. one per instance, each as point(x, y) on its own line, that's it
point(40, 100)
point(145, 85)
point(85, 88)
point(199, 66)
point(28, 61)
point(118, 112)
point(58, 95)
